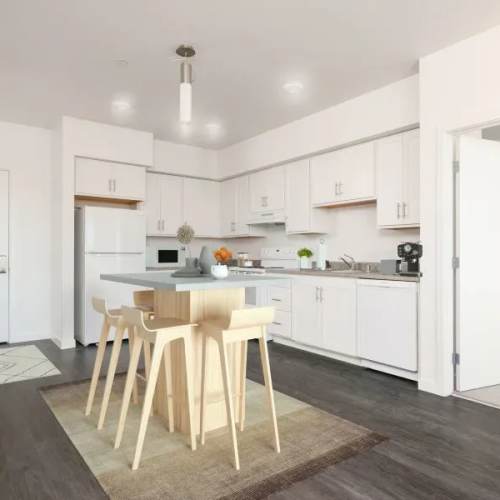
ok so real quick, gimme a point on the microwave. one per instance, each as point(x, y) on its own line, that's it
point(166, 257)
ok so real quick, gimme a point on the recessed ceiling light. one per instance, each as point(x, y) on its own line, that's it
point(121, 105)
point(293, 87)
point(213, 127)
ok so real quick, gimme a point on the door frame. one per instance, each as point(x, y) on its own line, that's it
point(8, 253)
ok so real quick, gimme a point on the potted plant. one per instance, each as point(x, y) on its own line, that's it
point(305, 255)
point(222, 256)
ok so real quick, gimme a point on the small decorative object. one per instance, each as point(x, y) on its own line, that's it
point(222, 256)
point(206, 260)
point(219, 271)
point(305, 258)
point(185, 235)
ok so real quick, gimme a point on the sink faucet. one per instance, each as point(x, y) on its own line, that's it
point(349, 263)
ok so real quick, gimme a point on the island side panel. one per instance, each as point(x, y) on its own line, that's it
point(195, 306)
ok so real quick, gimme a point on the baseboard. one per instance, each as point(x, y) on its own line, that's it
point(67, 344)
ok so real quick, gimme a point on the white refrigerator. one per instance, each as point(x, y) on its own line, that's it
point(107, 241)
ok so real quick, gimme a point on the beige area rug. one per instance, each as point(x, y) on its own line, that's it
point(311, 440)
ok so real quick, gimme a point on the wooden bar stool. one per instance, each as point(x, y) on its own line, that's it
point(114, 318)
point(242, 326)
point(160, 333)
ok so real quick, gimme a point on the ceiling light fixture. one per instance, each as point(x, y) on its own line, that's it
point(293, 87)
point(213, 128)
point(185, 89)
point(121, 105)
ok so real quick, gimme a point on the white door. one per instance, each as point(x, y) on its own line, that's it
point(357, 172)
point(129, 182)
point(478, 319)
point(93, 178)
point(338, 297)
point(306, 320)
point(387, 323)
point(325, 173)
point(242, 205)
point(298, 201)
point(171, 204)
point(4, 256)
point(389, 168)
point(411, 177)
point(228, 207)
point(267, 190)
point(153, 204)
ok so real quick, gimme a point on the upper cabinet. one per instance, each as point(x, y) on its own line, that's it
point(397, 163)
point(344, 176)
point(103, 179)
point(267, 195)
point(301, 217)
point(163, 204)
point(235, 208)
point(202, 207)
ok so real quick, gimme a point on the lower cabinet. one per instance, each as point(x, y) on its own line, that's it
point(306, 312)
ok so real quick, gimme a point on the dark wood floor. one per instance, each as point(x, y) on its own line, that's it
point(439, 448)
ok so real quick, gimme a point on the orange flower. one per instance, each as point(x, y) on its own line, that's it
point(223, 254)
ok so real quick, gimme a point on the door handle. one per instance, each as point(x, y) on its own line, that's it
point(404, 209)
point(398, 209)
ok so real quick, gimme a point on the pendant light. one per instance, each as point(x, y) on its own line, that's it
point(185, 89)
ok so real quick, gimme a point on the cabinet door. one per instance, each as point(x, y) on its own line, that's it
point(171, 204)
point(389, 169)
point(129, 182)
point(357, 173)
point(202, 206)
point(267, 190)
point(228, 207)
point(325, 175)
point(338, 300)
point(298, 202)
point(242, 204)
point(153, 204)
point(387, 323)
point(411, 177)
point(93, 178)
point(306, 321)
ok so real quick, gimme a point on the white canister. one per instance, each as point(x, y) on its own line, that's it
point(219, 271)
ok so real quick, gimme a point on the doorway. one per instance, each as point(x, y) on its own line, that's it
point(4, 256)
point(477, 275)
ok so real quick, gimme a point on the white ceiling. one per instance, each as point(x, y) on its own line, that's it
point(59, 57)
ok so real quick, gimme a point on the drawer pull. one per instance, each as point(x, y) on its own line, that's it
point(267, 214)
point(276, 323)
point(276, 300)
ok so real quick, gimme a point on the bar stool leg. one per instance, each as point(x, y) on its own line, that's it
point(243, 385)
point(148, 400)
point(188, 362)
point(203, 403)
point(101, 348)
point(129, 383)
point(131, 339)
point(266, 370)
point(147, 366)
point(167, 365)
point(115, 353)
point(229, 400)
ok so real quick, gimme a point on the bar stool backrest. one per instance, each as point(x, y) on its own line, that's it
point(248, 318)
point(100, 305)
point(134, 317)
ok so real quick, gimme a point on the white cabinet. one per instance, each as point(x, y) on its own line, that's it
point(280, 298)
point(338, 298)
point(344, 176)
point(387, 323)
point(306, 312)
point(235, 209)
point(301, 217)
point(102, 179)
point(397, 167)
point(267, 195)
point(201, 207)
point(164, 195)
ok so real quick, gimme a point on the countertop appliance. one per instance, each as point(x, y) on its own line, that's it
point(410, 254)
point(165, 257)
point(107, 241)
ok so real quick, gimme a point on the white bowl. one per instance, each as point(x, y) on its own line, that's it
point(219, 272)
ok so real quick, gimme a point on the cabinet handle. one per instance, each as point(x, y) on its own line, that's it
point(158, 226)
point(404, 209)
point(163, 224)
point(336, 188)
point(267, 214)
point(321, 294)
point(233, 227)
point(110, 189)
point(276, 323)
point(114, 185)
point(340, 188)
point(317, 294)
point(398, 209)
point(276, 300)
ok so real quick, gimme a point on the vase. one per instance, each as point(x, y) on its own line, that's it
point(219, 271)
point(305, 263)
point(206, 260)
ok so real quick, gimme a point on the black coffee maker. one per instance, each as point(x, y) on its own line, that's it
point(410, 254)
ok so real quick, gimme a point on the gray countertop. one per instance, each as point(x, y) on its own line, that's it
point(345, 274)
point(162, 280)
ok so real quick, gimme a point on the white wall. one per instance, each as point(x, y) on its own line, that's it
point(352, 230)
point(459, 88)
point(26, 153)
point(389, 108)
point(185, 160)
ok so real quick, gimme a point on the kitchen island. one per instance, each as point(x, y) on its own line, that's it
point(193, 300)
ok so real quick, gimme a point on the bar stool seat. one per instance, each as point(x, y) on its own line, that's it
point(242, 326)
point(159, 332)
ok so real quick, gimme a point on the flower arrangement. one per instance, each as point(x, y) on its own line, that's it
point(223, 255)
point(185, 235)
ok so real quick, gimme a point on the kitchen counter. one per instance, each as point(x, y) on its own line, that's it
point(161, 280)
point(345, 274)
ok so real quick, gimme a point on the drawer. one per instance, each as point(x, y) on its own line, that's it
point(279, 298)
point(281, 324)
